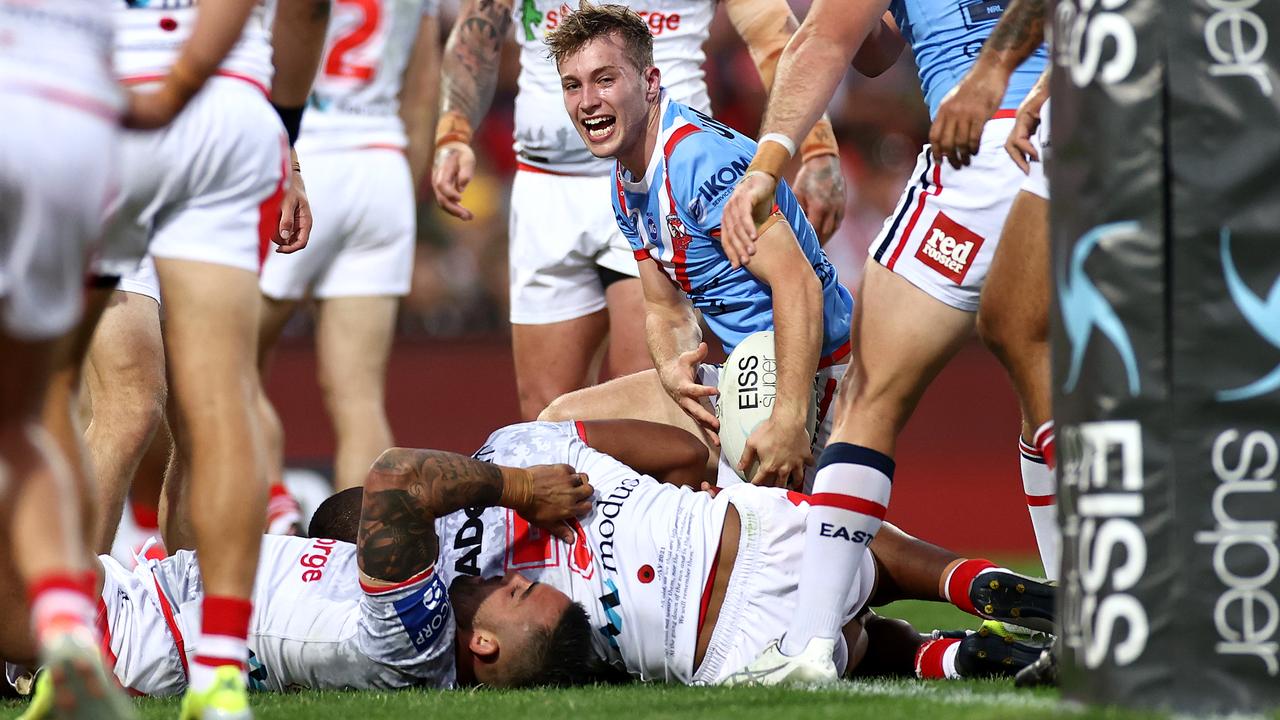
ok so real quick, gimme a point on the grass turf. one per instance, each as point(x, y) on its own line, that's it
point(878, 700)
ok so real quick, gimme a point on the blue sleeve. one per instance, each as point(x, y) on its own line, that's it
point(704, 168)
point(626, 225)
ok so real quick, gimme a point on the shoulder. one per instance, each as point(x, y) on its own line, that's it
point(704, 167)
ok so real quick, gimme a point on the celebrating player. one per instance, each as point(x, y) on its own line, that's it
point(920, 288)
point(675, 168)
point(572, 273)
point(366, 144)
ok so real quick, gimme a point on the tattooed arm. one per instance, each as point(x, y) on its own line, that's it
point(957, 128)
point(408, 489)
point(469, 74)
point(766, 26)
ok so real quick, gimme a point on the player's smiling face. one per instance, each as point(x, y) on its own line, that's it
point(611, 101)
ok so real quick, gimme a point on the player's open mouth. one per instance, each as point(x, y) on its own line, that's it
point(599, 128)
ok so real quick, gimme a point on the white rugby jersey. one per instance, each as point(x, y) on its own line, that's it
point(356, 98)
point(62, 47)
point(545, 136)
point(639, 564)
point(149, 34)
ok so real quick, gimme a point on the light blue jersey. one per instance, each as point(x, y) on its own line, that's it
point(672, 217)
point(946, 36)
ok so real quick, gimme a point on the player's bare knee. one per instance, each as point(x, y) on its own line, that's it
point(558, 410)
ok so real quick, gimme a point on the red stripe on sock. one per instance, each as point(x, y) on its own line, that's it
point(1044, 443)
point(210, 661)
point(962, 579)
point(226, 616)
point(929, 658)
point(1041, 500)
point(78, 583)
point(850, 503)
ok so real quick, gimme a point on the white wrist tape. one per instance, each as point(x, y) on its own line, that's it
point(782, 140)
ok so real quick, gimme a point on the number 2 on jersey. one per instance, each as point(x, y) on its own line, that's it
point(336, 65)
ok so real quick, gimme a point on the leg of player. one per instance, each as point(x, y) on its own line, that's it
point(639, 396)
point(125, 377)
point(627, 351)
point(901, 339)
point(555, 358)
point(211, 339)
point(353, 340)
point(1013, 320)
point(283, 514)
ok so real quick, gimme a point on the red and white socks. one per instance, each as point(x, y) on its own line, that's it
point(936, 659)
point(224, 631)
point(60, 602)
point(1041, 488)
point(848, 505)
point(959, 578)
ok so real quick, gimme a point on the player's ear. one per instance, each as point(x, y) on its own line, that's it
point(483, 644)
point(652, 83)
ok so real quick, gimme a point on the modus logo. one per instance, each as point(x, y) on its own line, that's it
point(1085, 309)
point(1263, 315)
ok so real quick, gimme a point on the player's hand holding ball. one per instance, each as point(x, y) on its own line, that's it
point(778, 450)
point(679, 378)
point(548, 496)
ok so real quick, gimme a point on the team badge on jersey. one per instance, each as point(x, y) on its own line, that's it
point(425, 612)
point(949, 248)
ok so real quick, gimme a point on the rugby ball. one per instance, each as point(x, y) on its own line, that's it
point(748, 390)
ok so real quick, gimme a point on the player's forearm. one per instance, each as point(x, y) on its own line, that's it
point(297, 41)
point(670, 331)
point(1015, 37)
point(1039, 92)
point(405, 492)
point(420, 98)
point(469, 69)
point(797, 321)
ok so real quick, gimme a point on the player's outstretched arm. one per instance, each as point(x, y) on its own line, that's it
point(957, 128)
point(781, 443)
point(218, 27)
point(808, 72)
point(468, 77)
point(408, 489)
point(420, 97)
point(665, 452)
point(766, 26)
point(675, 344)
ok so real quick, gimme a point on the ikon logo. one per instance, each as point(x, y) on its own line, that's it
point(949, 248)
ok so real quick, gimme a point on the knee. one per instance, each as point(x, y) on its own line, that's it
point(1007, 334)
point(558, 410)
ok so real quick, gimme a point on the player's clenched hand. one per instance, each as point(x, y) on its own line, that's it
point(559, 495)
point(295, 212)
point(679, 378)
point(1019, 145)
point(820, 190)
point(455, 165)
point(956, 132)
point(751, 203)
point(782, 449)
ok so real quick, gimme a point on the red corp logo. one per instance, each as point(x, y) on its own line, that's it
point(530, 548)
point(658, 22)
point(316, 557)
point(949, 248)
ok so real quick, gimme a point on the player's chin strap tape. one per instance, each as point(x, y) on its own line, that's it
point(292, 119)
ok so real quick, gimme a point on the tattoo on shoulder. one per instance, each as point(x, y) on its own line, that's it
point(1021, 24)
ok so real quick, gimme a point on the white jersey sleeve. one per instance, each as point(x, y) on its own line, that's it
point(149, 34)
point(545, 137)
point(356, 98)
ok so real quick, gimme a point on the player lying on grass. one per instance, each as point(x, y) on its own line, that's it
point(675, 169)
point(689, 586)
point(375, 614)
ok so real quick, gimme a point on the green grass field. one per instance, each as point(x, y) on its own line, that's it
point(881, 699)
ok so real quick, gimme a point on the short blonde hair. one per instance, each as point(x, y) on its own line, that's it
point(590, 21)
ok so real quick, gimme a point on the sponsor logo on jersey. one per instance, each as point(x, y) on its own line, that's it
point(425, 612)
point(1085, 308)
point(608, 509)
point(1262, 315)
point(315, 558)
point(717, 188)
point(949, 248)
point(658, 22)
point(1103, 619)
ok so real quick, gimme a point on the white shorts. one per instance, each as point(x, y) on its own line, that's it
point(143, 638)
point(57, 170)
point(1037, 182)
point(142, 281)
point(761, 598)
point(826, 384)
point(944, 231)
point(206, 188)
point(562, 229)
point(365, 228)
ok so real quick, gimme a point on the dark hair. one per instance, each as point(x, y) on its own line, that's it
point(589, 22)
point(559, 657)
point(338, 517)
